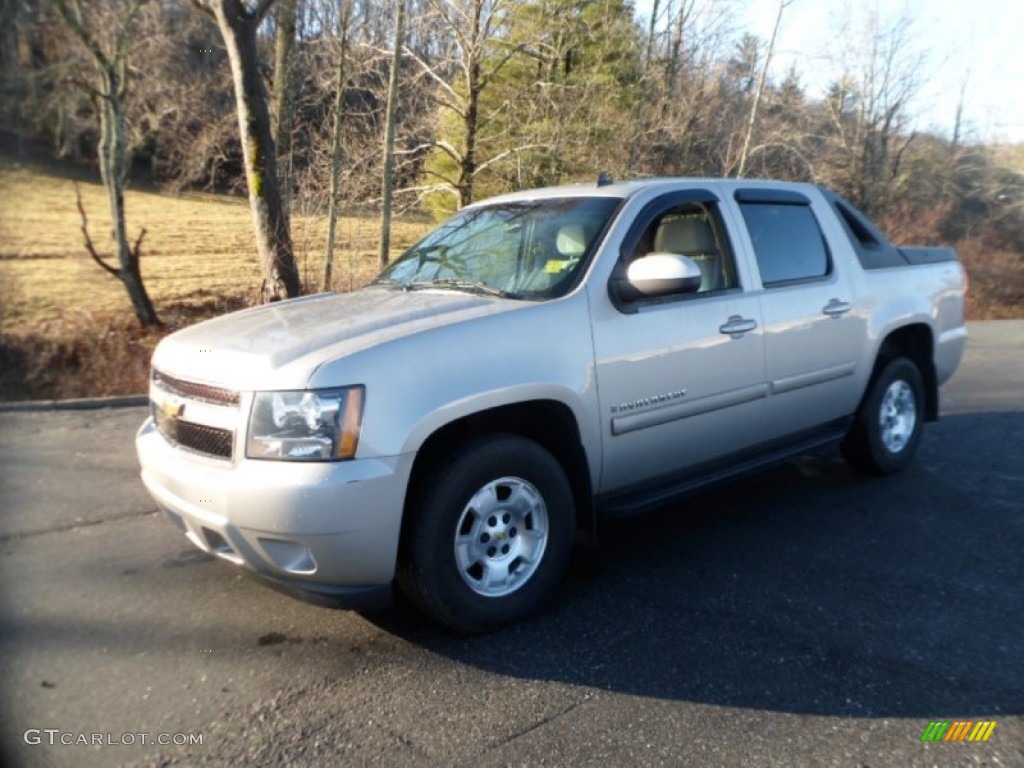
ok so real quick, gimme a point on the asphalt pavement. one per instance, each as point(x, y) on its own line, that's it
point(804, 616)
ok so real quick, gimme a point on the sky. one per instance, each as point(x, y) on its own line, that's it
point(980, 40)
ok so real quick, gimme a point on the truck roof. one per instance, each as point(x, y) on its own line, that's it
point(630, 188)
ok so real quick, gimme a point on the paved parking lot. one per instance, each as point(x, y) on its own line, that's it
point(803, 616)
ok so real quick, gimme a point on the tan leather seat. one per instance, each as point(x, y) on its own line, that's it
point(692, 236)
point(571, 241)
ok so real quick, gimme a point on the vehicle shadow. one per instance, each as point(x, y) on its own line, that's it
point(805, 589)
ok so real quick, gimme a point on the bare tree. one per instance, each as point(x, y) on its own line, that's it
point(110, 64)
point(762, 78)
point(958, 122)
point(15, 82)
point(477, 53)
point(641, 105)
point(681, 17)
point(334, 200)
point(869, 109)
point(689, 120)
point(388, 181)
point(238, 22)
point(284, 103)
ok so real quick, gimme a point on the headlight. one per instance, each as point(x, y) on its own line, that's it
point(314, 425)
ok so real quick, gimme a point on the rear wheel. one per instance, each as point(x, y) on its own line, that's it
point(887, 429)
point(489, 536)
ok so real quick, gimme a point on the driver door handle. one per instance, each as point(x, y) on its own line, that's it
point(835, 308)
point(737, 325)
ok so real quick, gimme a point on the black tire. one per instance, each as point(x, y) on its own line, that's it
point(505, 573)
point(884, 442)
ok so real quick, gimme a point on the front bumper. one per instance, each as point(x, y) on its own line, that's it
point(328, 530)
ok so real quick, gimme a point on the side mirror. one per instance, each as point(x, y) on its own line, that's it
point(659, 274)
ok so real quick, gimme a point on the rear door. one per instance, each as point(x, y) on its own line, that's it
point(813, 330)
point(680, 379)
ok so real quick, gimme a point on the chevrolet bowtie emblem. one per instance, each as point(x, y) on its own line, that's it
point(173, 407)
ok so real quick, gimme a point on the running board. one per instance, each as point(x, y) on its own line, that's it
point(658, 493)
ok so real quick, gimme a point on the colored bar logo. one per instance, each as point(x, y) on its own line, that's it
point(960, 730)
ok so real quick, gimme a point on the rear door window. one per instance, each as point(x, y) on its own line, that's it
point(788, 242)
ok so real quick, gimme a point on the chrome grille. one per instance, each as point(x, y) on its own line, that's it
point(195, 390)
point(194, 416)
point(211, 441)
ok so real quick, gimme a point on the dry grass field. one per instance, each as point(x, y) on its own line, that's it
point(197, 247)
point(66, 327)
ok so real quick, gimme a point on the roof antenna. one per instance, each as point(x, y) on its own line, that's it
point(604, 179)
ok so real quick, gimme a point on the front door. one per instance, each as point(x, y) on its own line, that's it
point(680, 379)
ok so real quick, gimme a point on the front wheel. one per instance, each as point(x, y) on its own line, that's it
point(490, 535)
point(887, 428)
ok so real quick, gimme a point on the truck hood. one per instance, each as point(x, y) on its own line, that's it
point(279, 346)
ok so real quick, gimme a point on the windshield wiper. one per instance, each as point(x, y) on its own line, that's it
point(460, 284)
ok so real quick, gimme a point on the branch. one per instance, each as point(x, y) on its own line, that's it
point(414, 150)
point(446, 181)
point(448, 105)
point(449, 150)
point(88, 240)
point(899, 154)
point(74, 22)
point(486, 77)
point(427, 188)
point(431, 73)
point(787, 148)
point(484, 121)
point(203, 8)
point(122, 78)
point(423, 191)
point(92, 92)
point(503, 155)
point(454, 26)
point(136, 253)
point(261, 10)
point(126, 27)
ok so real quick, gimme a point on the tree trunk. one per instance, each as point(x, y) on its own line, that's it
point(640, 107)
point(334, 201)
point(270, 219)
point(113, 171)
point(752, 118)
point(284, 105)
point(467, 171)
point(110, 67)
point(673, 66)
point(388, 182)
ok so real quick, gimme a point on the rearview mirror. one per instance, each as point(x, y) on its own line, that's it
point(660, 274)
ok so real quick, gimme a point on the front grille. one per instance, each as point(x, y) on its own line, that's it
point(204, 392)
point(211, 441)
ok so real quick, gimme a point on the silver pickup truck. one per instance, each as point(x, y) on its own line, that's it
point(541, 360)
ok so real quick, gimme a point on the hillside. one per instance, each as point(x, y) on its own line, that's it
point(66, 328)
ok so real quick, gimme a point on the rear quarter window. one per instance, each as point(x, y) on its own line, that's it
point(788, 242)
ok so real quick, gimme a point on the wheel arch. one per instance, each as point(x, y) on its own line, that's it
point(916, 342)
point(550, 423)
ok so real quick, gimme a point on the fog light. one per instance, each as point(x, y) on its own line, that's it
point(289, 556)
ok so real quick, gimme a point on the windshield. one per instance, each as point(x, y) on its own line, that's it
point(529, 249)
